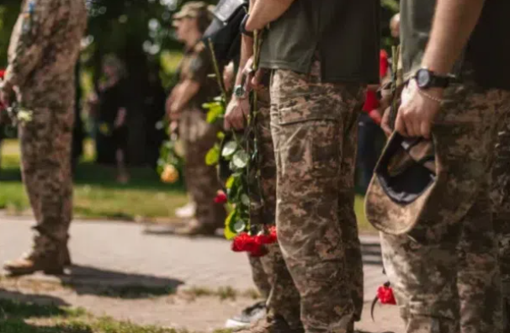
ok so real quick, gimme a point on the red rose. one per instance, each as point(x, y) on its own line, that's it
point(260, 251)
point(385, 295)
point(244, 243)
point(266, 239)
point(2, 74)
point(221, 197)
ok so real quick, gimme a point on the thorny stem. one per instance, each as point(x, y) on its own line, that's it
point(219, 77)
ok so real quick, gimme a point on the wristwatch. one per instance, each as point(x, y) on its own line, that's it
point(239, 92)
point(243, 27)
point(427, 79)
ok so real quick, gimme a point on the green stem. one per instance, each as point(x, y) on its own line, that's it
point(219, 77)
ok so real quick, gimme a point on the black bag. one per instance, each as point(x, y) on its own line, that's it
point(224, 31)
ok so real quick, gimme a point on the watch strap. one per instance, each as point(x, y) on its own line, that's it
point(243, 27)
point(437, 81)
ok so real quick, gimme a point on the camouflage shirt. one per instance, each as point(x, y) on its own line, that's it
point(196, 66)
point(44, 46)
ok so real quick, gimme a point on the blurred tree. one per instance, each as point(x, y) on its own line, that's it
point(9, 10)
point(139, 32)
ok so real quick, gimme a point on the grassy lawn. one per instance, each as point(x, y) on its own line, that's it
point(18, 317)
point(97, 195)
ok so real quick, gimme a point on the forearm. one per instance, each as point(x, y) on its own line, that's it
point(265, 12)
point(187, 90)
point(26, 47)
point(246, 54)
point(453, 24)
point(246, 51)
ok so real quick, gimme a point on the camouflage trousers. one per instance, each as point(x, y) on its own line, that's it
point(202, 181)
point(46, 170)
point(270, 272)
point(314, 128)
point(500, 195)
point(445, 271)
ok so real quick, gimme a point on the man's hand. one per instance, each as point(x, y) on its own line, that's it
point(417, 112)
point(238, 111)
point(175, 112)
point(120, 120)
point(385, 122)
point(385, 111)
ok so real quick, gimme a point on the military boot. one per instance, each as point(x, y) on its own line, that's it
point(49, 263)
point(46, 256)
point(271, 324)
point(67, 257)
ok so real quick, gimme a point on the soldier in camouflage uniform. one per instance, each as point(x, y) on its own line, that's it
point(500, 195)
point(270, 273)
point(185, 104)
point(313, 118)
point(445, 271)
point(43, 53)
point(283, 298)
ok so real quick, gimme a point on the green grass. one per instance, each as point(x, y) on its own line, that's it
point(359, 208)
point(16, 317)
point(97, 194)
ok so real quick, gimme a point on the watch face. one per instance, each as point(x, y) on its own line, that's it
point(423, 78)
point(239, 91)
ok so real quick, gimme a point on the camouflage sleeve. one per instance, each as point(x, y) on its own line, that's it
point(200, 66)
point(29, 39)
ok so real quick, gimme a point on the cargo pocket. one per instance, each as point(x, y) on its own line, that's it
point(326, 142)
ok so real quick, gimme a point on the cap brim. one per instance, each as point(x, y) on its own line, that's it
point(179, 16)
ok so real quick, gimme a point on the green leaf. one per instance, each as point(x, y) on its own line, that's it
point(228, 232)
point(240, 159)
point(240, 226)
point(229, 149)
point(213, 156)
point(230, 182)
point(220, 135)
point(245, 199)
point(215, 112)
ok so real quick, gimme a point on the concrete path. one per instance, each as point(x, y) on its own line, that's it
point(160, 268)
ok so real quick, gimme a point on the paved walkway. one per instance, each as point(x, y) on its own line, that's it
point(125, 254)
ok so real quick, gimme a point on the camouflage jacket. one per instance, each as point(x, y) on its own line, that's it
point(44, 47)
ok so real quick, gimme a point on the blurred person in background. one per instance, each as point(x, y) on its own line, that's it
point(371, 138)
point(184, 107)
point(110, 104)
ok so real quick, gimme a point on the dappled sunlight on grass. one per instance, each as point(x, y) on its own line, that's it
point(97, 194)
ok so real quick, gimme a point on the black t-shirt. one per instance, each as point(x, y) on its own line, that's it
point(111, 100)
point(344, 34)
point(487, 52)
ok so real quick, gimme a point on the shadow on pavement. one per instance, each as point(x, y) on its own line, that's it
point(16, 308)
point(13, 302)
point(87, 280)
point(172, 230)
